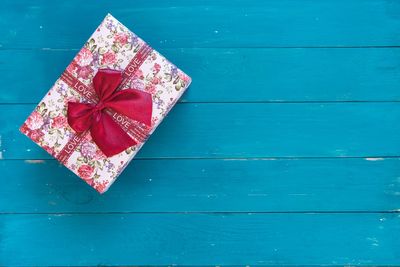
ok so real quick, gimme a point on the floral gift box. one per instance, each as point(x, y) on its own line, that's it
point(101, 110)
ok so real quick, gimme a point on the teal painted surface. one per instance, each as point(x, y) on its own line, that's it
point(284, 151)
point(209, 185)
point(302, 74)
point(203, 239)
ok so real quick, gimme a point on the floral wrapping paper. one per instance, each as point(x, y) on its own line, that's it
point(111, 46)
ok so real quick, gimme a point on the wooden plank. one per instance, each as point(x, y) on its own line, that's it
point(236, 75)
point(39, 24)
point(249, 130)
point(241, 183)
point(308, 185)
point(185, 239)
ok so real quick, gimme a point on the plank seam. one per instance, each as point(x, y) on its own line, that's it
point(205, 212)
point(220, 47)
point(371, 158)
point(182, 102)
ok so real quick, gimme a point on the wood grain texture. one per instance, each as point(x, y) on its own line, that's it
point(235, 75)
point(200, 239)
point(246, 130)
point(193, 23)
point(283, 152)
point(208, 185)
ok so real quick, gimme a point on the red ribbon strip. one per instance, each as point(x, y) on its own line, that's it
point(111, 113)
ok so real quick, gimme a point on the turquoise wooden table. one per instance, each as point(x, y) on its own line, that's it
point(284, 150)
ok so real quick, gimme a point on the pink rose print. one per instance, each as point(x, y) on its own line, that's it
point(84, 57)
point(72, 67)
point(84, 72)
point(155, 80)
point(100, 186)
point(59, 122)
point(85, 172)
point(36, 135)
point(112, 46)
point(34, 121)
point(139, 74)
point(109, 58)
point(184, 77)
point(121, 38)
point(24, 128)
point(156, 68)
point(151, 89)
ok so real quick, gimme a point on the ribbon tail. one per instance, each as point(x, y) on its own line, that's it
point(133, 103)
point(109, 136)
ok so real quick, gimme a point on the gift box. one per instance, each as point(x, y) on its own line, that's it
point(104, 106)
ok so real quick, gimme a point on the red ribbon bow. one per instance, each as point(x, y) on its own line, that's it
point(105, 132)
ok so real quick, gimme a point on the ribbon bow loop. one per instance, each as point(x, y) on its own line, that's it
point(109, 136)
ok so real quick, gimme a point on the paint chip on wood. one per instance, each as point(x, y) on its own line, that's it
point(34, 161)
point(1, 152)
point(373, 159)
